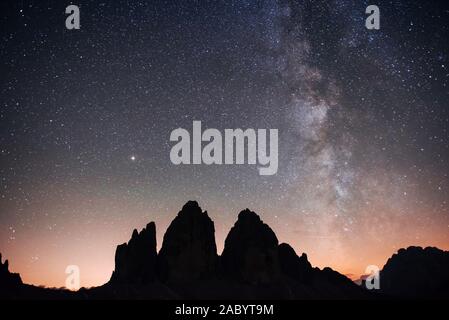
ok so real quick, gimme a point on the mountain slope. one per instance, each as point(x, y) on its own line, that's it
point(416, 272)
point(253, 265)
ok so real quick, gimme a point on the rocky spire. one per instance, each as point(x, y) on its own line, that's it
point(188, 251)
point(135, 262)
point(7, 279)
point(251, 251)
point(298, 268)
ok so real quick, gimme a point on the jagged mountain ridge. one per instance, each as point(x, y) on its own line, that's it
point(253, 265)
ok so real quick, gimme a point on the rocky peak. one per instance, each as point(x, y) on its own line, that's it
point(416, 272)
point(251, 251)
point(188, 251)
point(298, 268)
point(135, 261)
point(8, 279)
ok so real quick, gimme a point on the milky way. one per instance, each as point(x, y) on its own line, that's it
point(86, 117)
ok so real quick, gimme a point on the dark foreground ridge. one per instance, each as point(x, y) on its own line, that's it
point(253, 265)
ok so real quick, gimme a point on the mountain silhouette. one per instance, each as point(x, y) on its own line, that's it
point(188, 251)
point(9, 282)
point(253, 265)
point(135, 262)
point(298, 268)
point(250, 252)
point(417, 272)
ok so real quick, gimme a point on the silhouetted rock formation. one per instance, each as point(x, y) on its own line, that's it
point(135, 262)
point(250, 252)
point(188, 251)
point(252, 266)
point(8, 279)
point(298, 268)
point(416, 273)
point(10, 283)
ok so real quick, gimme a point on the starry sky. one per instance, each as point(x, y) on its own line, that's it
point(86, 117)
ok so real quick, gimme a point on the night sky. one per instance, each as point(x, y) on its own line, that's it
point(86, 117)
